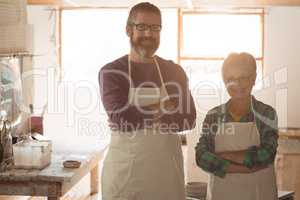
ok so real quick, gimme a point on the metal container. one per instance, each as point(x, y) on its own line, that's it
point(32, 154)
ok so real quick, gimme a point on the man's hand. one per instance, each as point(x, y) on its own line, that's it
point(112, 126)
point(158, 110)
point(164, 106)
point(169, 105)
point(152, 107)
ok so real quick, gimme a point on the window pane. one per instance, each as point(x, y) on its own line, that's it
point(89, 40)
point(169, 34)
point(208, 35)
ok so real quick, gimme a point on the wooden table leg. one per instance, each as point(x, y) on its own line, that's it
point(95, 180)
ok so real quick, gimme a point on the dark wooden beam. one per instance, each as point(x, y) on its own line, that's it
point(45, 2)
point(196, 3)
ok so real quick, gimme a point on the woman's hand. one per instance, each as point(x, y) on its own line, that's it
point(234, 168)
point(237, 159)
point(258, 168)
point(234, 156)
point(241, 169)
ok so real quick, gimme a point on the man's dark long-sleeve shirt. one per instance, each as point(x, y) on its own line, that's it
point(114, 88)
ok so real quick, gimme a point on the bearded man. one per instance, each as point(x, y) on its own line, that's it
point(148, 103)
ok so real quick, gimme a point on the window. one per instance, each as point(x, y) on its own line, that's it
point(207, 38)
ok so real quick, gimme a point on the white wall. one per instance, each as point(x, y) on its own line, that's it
point(282, 60)
point(43, 21)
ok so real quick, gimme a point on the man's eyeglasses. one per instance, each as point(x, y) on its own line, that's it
point(144, 27)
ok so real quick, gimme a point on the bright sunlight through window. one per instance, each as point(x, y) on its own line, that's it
point(214, 36)
point(207, 38)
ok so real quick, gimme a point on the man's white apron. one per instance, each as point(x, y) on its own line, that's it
point(260, 185)
point(144, 164)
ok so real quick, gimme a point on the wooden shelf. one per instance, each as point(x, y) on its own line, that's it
point(45, 2)
point(22, 54)
point(289, 133)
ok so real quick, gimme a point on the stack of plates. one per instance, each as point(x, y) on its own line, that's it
point(12, 12)
point(15, 35)
point(16, 38)
point(8, 15)
point(196, 190)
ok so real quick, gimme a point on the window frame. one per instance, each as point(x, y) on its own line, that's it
point(237, 11)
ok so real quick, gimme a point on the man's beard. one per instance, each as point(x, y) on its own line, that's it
point(145, 46)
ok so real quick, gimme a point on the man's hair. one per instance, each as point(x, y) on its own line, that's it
point(239, 59)
point(142, 7)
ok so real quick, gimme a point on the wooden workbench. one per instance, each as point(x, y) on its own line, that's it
point(54, 181)
point(287, 162)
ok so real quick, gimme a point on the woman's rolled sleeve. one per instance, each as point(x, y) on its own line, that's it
point(267, 123)
point(206, 159)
